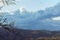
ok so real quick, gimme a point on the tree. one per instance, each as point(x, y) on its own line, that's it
point(7, 2)
point(3, 22)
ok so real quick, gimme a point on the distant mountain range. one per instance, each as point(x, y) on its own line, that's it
point(39, 20)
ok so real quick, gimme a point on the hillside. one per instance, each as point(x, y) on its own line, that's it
point(20, 34)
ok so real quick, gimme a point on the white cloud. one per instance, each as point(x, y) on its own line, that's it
point(22, 8)
point(56, 18)
point(17, 0)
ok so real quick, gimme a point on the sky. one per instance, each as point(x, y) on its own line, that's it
point(34, 5)
point(31, 5)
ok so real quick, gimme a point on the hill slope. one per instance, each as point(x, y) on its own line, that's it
point(20, 34)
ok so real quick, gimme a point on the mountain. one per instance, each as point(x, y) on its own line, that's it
point(39, 20)
point(20, 34)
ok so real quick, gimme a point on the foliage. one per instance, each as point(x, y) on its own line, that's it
point(5, 24)
point(7, 2)
point(3, 21)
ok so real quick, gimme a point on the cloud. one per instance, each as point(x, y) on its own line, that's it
point(22, 8)
point(42, 19)
point(56, 18)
